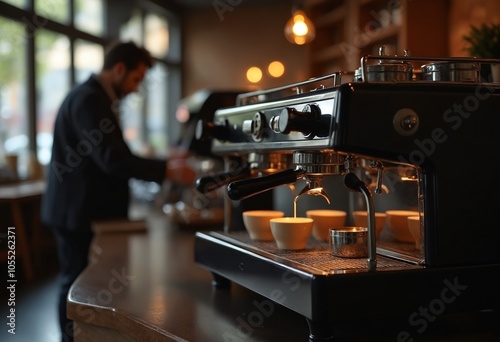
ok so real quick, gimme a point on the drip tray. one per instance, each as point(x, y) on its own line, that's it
point(300, 280)
point(316, 258)
point(326, 289)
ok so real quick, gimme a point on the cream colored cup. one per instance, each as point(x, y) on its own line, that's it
point(397, 221)
point(324, 219)
point(361, 220)
point(257, 223)
point(291, 232)
point(414, 228)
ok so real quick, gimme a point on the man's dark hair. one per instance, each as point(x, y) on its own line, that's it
point(128, 53)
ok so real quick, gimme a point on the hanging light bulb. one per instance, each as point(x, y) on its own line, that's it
point(299, 29)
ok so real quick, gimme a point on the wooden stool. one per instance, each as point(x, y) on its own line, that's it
point(16, 195)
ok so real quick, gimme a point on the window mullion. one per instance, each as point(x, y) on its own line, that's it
point(31, 91)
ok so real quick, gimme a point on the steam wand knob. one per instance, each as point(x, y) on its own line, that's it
point(292, 120)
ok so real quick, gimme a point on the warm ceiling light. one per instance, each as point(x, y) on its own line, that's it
point(276, 69)
point(254, 74)
point(299, 29)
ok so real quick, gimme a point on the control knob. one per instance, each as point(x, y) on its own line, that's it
point(309, 121)
point(255, 127)
point(208, 130)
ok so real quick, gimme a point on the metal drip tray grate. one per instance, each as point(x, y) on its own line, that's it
point(316, 257)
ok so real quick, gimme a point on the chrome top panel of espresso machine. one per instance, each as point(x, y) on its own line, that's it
point(438, 126)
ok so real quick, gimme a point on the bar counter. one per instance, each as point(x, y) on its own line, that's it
point(143, 285)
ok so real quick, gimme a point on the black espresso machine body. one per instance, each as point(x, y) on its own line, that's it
point(455, 123)
point(441, 134)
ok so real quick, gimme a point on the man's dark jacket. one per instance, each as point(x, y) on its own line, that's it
point(87, 178)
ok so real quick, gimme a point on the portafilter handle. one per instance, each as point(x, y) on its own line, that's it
point(242, 189)
point(210, 183)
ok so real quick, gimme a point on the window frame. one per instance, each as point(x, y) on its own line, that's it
point(34, 21)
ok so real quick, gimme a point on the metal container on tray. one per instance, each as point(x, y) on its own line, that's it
point(387, 72)
point(451, 71)
point(349, 242)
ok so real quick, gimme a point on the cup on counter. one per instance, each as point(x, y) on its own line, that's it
point(324, 219)
point(257, 223)
point(361, 220)
point(397, 221)
point(291, 233)
point(414, 228)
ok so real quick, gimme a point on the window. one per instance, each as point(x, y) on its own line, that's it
point(13, 99)
point(89, 16)
point(156, 121)
point(53, 10)
point(145, 120)
point(52, 84)
point(47, 46)
point(17, 3)
point(132, 29)
point(88, 59)
point(156, 35)
point(132, 120)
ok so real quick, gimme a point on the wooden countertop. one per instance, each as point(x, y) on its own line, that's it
point(21, 190)
point(145, 286)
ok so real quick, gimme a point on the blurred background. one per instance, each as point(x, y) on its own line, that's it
point(47, 46)
point(201, 47)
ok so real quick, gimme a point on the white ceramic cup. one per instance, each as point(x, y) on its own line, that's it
point(257, 223)
point(324, 219)
point(397, 221)
point(291, 232)
point(414, 228)
point(361, 220)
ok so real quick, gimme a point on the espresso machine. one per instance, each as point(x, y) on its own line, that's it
point(424, 127)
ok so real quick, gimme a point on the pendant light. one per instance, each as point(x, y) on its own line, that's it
point(299, 29)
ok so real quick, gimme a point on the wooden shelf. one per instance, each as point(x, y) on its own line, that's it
point(333, 17)
point(347, 30)
point(329, 53)
point(383, 33)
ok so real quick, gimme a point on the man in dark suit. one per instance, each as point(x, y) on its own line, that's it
point(87, 179)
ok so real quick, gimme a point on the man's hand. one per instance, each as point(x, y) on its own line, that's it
point(181, 170)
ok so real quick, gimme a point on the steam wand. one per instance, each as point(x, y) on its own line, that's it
point(352, 182)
